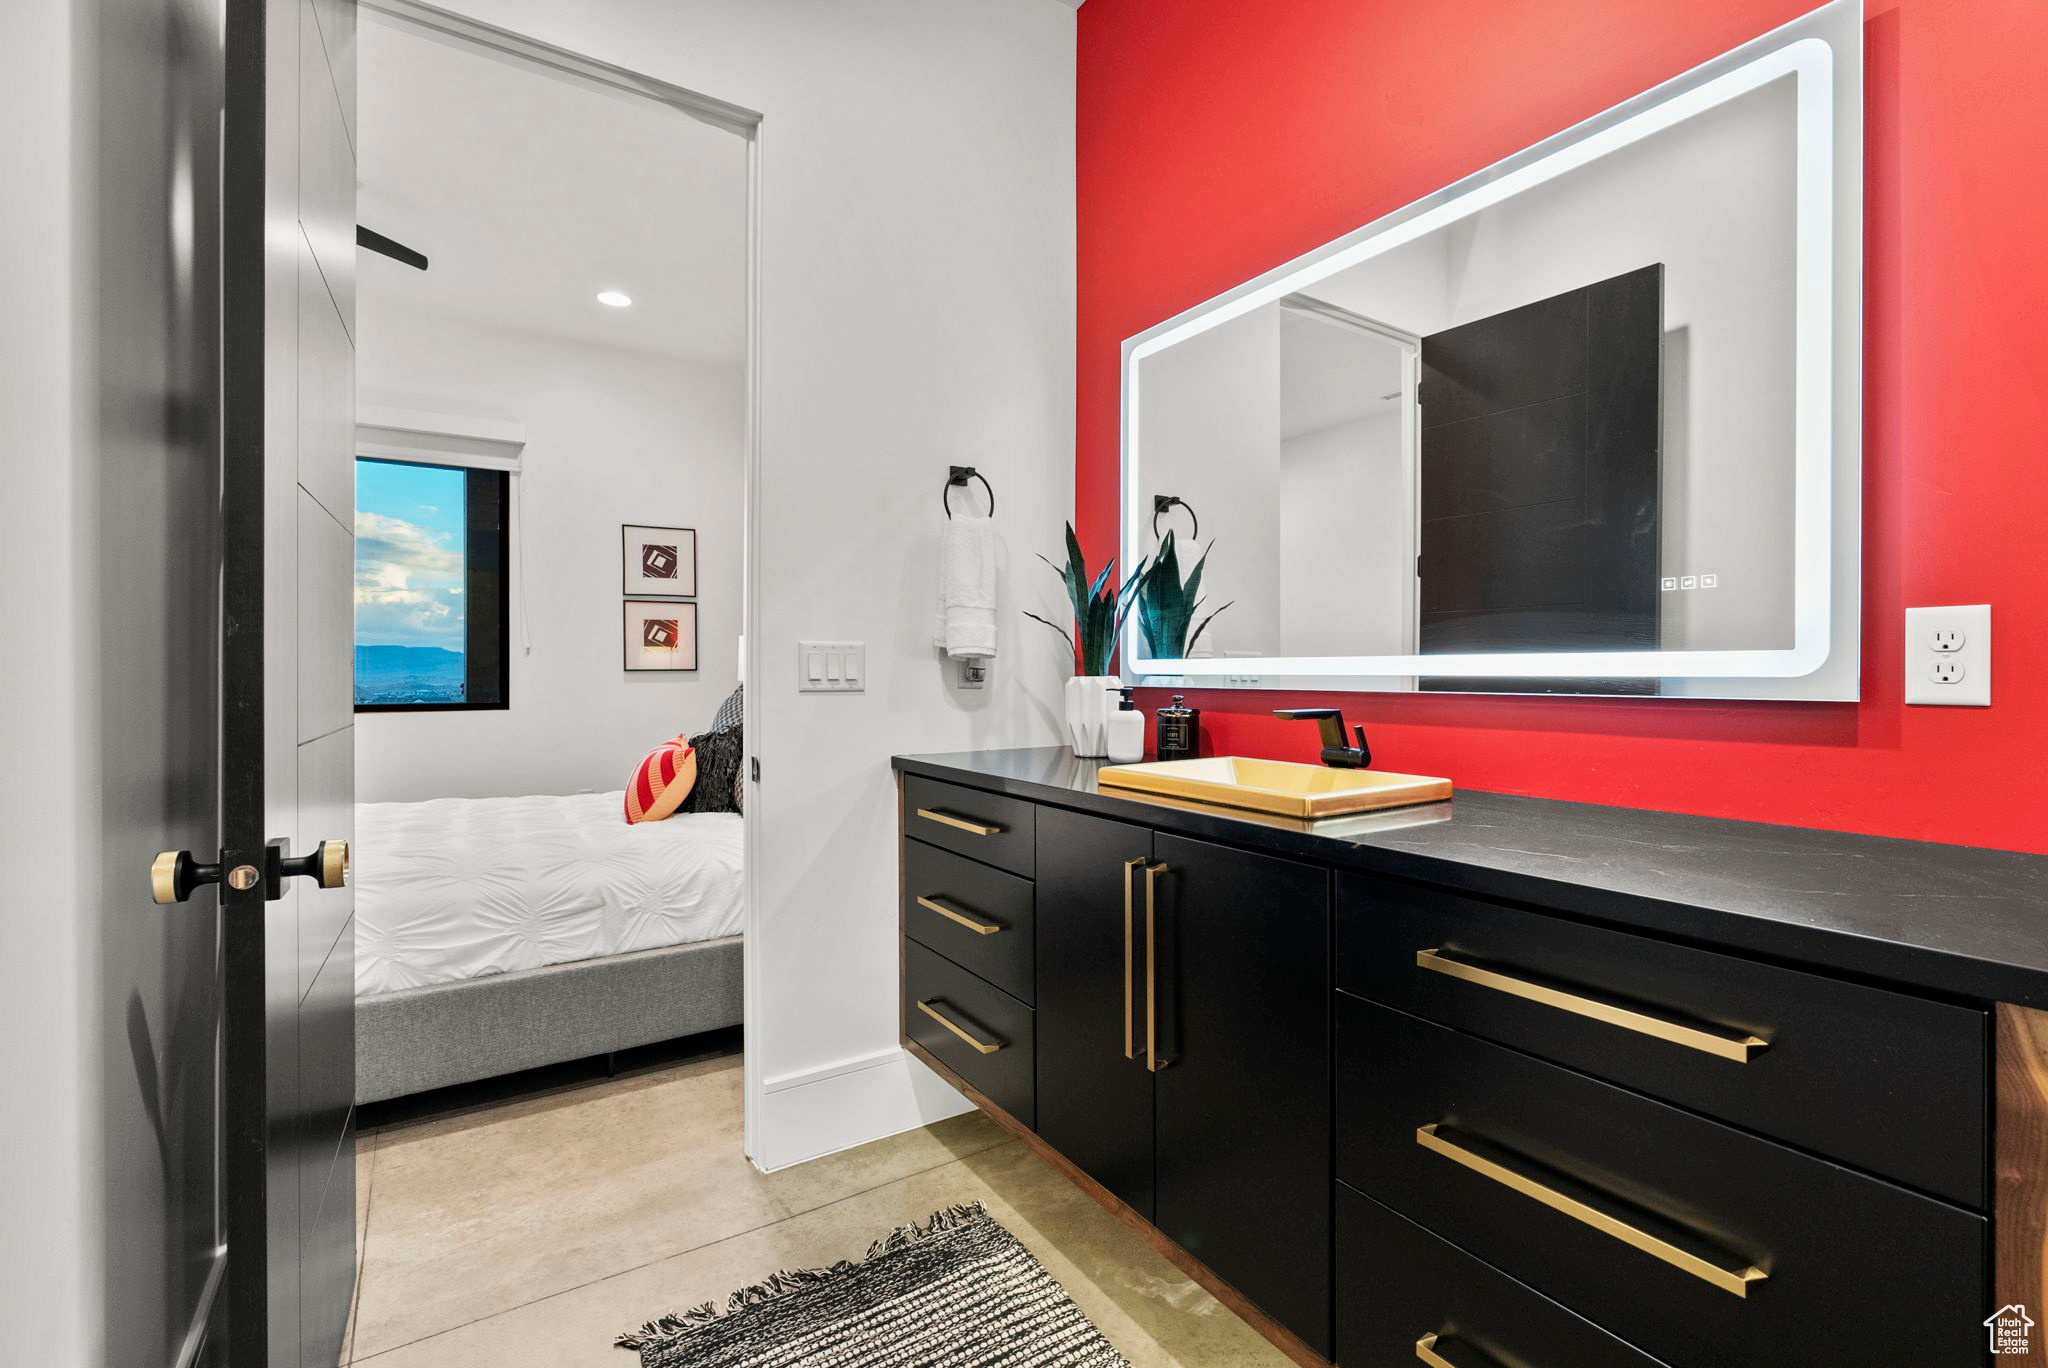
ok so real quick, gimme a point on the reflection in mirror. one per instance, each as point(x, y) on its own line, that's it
point(1561, 422)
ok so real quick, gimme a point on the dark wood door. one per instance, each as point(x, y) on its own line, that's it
point(1243, 1148)
point(1541, 439)
point(287, 743)
point(1094, 1091)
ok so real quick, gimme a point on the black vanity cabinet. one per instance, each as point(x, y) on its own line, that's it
point(1095, 1088)
point(1183, 1047)
point(1393, 1113)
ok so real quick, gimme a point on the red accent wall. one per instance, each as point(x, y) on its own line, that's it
point(1218, 138)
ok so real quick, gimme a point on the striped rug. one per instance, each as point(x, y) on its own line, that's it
point(957, 1291)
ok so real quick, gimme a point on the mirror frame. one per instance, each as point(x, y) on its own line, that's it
point(1823, 51)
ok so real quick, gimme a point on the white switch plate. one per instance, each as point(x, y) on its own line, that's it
point(831, 666)
point(1948, 656)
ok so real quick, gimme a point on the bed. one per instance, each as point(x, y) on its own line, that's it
point(499, 934)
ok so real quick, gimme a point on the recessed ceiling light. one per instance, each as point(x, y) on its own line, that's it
point(614, 298)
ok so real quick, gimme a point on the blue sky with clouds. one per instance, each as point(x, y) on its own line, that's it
point(409, 555)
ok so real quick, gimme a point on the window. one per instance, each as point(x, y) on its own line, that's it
point(431, 608)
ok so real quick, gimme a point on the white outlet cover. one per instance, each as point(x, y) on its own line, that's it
point(1963, 676)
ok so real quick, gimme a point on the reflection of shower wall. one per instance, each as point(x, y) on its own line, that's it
point(1347, 562)
point(1711, 199)
point(1210, 415)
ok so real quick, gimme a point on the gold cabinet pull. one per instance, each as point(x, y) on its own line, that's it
point(925, 1005)
point(1152, 1060)
point(981, 928)
point(959, 823)
point(1736, 1045)
point(1724, 1271)
point(1130, 1013)
point(1427, 1349)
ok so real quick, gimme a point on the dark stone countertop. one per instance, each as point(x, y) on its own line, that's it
point(1948, 919)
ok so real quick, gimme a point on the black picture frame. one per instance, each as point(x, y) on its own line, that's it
point(633, 635)
point(635, 583)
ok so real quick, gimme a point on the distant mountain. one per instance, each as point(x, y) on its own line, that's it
point(409, 674)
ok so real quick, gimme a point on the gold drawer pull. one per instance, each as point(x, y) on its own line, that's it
point(1130, 1031)
point(961, 823)
point(978, 927)
point(1733, 1045)
point(1427, 1349)
point(1723, 1271)
point(925, 1005)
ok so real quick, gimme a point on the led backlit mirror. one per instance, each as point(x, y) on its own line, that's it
point(1586, 422)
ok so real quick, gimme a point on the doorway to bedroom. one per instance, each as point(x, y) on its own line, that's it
point(552, 440)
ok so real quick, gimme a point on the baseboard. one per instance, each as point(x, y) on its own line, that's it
point(815, 1112)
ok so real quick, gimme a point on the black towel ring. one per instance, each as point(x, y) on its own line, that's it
point(1163, 502)
point(958, 478)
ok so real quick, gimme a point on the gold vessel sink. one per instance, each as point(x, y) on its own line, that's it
point(1278, 786)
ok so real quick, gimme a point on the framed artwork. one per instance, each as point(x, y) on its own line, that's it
point(659, 561)
point(660, 636)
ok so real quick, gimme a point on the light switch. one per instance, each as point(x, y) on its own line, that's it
point(831, 666)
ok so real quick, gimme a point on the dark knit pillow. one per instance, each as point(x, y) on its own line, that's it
point(721, 752)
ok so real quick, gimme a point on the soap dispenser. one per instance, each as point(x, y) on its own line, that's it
point(1179, 730)
point(1125, 730)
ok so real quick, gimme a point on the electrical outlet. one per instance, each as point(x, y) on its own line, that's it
point(1948, 656)
point(973, 673)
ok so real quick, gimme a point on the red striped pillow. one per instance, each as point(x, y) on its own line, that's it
point(661, 781)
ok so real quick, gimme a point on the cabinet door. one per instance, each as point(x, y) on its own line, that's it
point(1243, 1101)
point(1094, 1102)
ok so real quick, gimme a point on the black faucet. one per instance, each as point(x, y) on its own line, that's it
point(1335, 752)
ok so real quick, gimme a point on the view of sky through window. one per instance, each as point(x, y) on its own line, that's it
point(410, 575)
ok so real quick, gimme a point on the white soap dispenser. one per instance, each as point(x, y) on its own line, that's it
point(1125, 730)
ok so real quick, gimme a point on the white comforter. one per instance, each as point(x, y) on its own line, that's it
point(456, 888)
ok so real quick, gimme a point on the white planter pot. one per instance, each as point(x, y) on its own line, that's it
point(1090, 700)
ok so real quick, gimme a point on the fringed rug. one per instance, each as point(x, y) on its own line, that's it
point(958, 1291)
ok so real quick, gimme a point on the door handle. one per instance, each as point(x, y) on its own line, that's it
point(981, 928)
point(960, 823)
point(981, 1046)
point(1152, 1060)
point(1739, 1046)
point(1130, 965)
point(1730, 1274)
point(1446, 1351)
point(174, 876)
point(327, 866)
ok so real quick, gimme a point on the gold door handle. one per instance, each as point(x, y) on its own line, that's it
point(978, 927)
point(1710, 1265)
point(925, 1005)
point(959, 823)
point(1723, 1044)
point(1432, 1347)
point(1130, 956)
point(1152, 1060)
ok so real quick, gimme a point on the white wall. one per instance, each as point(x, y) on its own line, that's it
point(916, 310)
point(613, 436)
point(1346, 502)
point(47, 1006)
point(1210, 428)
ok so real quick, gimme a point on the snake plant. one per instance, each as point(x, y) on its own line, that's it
point(1167, 606)
point(1099, 611)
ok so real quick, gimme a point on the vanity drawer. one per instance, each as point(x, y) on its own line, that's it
point(1399, 1286)
point(988, 827)
point(1698, 1243)
point(979, 1031)
point(1881, 1080)
point(976, 916)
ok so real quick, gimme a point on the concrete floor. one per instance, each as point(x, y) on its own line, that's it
point(533, 1231)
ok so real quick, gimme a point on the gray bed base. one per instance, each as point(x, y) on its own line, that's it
point(446, 1033)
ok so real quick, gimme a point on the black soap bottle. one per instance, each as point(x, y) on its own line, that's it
point(1179, 730)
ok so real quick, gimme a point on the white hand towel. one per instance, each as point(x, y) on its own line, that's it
point(967, 588)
